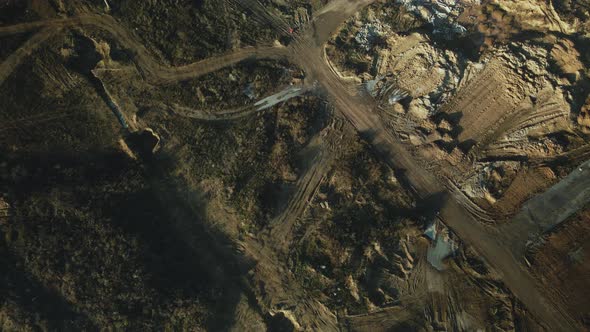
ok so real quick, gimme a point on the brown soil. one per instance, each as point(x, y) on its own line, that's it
point(562, 264)
point(526, 184)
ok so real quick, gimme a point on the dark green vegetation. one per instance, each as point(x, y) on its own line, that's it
point(49, 108)
point(253, 161)
point(570, 10)
point(228, 88)
point(185, 31)
point(98, 236)
point(181, 32)
point(87, 230)
point(12, 11)
point(89, 242)
point(9, 44)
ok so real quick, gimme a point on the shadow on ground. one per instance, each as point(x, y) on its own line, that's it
point(126, 234)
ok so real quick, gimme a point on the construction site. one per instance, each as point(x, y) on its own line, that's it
point(295, 165)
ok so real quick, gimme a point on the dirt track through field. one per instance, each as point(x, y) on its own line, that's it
point(155, 72)
point(14, 60)
point(281, 229)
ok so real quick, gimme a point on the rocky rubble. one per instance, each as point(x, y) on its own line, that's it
point(442, 14)
point(528, 87)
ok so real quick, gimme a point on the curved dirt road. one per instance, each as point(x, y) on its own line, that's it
point(153, 70)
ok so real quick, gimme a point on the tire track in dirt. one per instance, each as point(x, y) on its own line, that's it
point(207, 115)
point(155, 72)
point(511, 135)
point(15, 59)
point(382, 320)
point(275, 285)
point(485, 100)
point(360, 112)
point(281, 228)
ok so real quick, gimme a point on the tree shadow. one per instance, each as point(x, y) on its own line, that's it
point(20, 288)
point(184, 257)
point(466, 145)
point(427, 208)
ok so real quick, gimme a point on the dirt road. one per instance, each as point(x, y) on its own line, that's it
point(360, 112)
point(154, 71)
